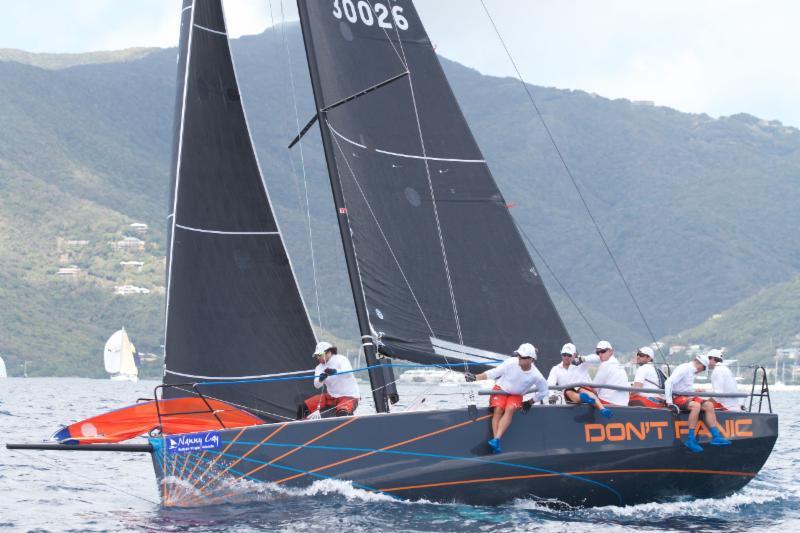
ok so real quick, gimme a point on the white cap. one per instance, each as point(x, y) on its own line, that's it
point(702, 358)
point(526, 350)
point(569, 348)
point(648, 351)
point(321, 348)
point(715, 353)
point(604, 345)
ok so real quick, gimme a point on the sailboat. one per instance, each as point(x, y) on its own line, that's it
point(119, 357)
point(439, 275)
point(3, 373)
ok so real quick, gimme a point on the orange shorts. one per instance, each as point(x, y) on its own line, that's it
point(511, 401)
point(637, 400)
point(343, 404)
point(683, 401)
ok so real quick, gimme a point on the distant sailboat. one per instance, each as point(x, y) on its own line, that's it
point(3, 368)
point(119, 357)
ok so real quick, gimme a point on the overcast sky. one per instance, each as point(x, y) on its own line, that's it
point(714, 56)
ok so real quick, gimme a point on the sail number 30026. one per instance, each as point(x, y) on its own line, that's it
point(370, 13)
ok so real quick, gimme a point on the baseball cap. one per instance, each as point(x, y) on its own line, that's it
point(604, 345)
point(321, 348)
point(569, 348)
point(526, 350)
point(717, 354)
point(648, 351)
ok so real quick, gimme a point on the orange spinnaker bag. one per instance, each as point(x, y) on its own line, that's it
point(178, 415)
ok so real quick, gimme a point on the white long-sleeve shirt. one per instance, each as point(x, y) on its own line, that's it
point(338, 385)
point(647, 376)
point(722, 381)
point(681, 380)
point(610, 372)
point(511, 378)
point(560, 376)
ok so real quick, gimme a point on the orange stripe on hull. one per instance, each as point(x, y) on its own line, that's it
point(594, 472)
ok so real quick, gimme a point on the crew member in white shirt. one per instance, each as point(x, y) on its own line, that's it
point(334, 372)
point(610, 372)
point(565, 373)
point(515, 376)
point(646, 378)
point(682, 380)
point(722, 381)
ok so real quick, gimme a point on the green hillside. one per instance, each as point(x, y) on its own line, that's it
point(752, 329)
point(694, 208)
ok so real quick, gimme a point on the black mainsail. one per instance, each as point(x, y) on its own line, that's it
point(234, 310)
point(440, 272)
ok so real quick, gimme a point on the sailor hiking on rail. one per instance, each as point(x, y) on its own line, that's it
point(609, 372)
point(335, 372)
point(722, 381)
point(682, 380)
point(515, 376)
point(647, 377)
point(565, 373)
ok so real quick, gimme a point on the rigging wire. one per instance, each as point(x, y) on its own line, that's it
point(558, 281)
point(302, 159)
point(574, 182)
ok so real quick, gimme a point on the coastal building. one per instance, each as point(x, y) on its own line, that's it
point(127, 290)
point(131, 266)
point(129, 244)
point(69, 273)
point(139, 228)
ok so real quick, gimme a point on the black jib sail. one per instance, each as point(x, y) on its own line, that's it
point(444, 274)
point(234, 310)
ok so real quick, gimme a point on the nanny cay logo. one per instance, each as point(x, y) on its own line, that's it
point(193, 442)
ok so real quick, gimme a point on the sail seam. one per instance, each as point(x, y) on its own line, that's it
point(210, 30)
point(383, 235)
point(410, 156)
point(221, 232)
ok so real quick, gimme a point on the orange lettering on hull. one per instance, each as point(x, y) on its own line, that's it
point(629, 431)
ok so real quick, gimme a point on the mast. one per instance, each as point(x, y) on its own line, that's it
point(383, 389)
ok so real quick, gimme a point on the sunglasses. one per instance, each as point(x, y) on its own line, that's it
point(566, 355)
point(640, 354)
point(598, 352)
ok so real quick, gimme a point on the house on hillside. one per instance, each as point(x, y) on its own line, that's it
point(139, 228)
point(126, 290)
point(133, 244)
point(131, 266)
point(70, 273)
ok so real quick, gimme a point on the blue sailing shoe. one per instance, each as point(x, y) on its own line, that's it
point(691, 443)
point(717, 438)
point(494, 444)
point(585, 398)
point(606, 412)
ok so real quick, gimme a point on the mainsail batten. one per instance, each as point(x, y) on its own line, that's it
point(233, 305)
point(435, 248)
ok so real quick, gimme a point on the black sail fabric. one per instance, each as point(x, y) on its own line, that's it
point(233, 306)
point(445, 275)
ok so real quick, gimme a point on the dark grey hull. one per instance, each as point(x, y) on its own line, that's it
point(566, 454)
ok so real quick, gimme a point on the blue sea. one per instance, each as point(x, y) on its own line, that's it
point(75, 491)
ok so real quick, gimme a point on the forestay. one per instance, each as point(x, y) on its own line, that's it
point(233, 306)
point(444, 273)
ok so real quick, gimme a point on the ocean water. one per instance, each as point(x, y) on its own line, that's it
point(75, 491)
